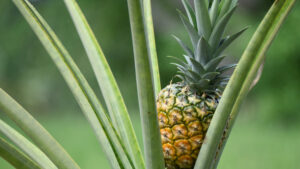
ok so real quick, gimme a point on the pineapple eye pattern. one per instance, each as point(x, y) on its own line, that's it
point(182, 128)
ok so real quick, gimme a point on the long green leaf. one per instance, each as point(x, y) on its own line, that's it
point(26, 146)
point(187, 50)
point(151, 136)
point(191, 31)
point(227, 41)
point(225, 7)
point(212, 64)
point(107, 83)
point(150, 39)
point(190, 12)
point(80, 88)
point(275, 25)
point(240, 81)
point(39, 135)
point(203, 20)
point(202, 51)
point(15, 157)
point(214, 11)
point(219, 29)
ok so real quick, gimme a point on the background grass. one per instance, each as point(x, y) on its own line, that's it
point(251, 145)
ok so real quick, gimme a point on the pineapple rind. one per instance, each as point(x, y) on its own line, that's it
point(184, 117)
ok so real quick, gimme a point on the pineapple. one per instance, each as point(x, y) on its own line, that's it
point(186, 108)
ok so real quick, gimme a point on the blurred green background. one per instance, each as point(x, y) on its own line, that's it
point(267, 132)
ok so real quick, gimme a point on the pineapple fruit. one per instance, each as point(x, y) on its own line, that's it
point(186, 108)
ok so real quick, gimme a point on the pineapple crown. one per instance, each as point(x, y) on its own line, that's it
point(205, 24)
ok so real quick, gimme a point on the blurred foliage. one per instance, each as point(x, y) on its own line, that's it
point(250, 146)
point(28, 74)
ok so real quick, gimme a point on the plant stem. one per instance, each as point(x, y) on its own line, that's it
point(252, 74)
point(150, 38)
point(242, 76)
point(151, 136)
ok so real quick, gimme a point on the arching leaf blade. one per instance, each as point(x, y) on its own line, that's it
point(212, 64)
point(26, 146)
point(80, 88)
point(194, 36)
point(187, 50)
point(219, 29)
point(243, 75)
point(108, 85)
point(228, 41)
point(15, 157)
point(190, 13)
point(39, 135)
point(278, 21)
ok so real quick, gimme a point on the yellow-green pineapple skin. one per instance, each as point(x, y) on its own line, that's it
point(184, 117)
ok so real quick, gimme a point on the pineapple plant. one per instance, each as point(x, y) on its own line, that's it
point(186, 108)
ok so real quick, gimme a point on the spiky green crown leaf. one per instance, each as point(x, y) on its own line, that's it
point(205, 24)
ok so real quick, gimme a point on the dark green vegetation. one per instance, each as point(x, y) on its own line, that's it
point(28, 75)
